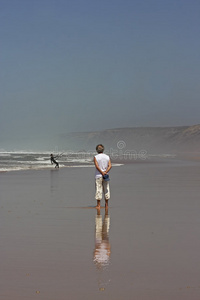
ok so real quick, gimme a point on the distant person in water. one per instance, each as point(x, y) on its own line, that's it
point(53, 161)
point(103, 165)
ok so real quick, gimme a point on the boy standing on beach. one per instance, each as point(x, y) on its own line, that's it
point(103, 165)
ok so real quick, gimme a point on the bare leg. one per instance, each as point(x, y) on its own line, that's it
point(98, 204)
point(106, 203)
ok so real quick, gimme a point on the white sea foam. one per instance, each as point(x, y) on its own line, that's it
point(5, 154)
point(10, 169)
point(80, 160)
point(80, 166)
point(38, 162)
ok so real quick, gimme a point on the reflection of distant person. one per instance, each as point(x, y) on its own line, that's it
point(53, 161)
point(103, 165)
point(102, 246)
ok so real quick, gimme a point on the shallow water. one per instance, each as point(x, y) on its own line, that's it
point(55, 245)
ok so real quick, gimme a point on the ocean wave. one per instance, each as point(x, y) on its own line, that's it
point(79, 166)
point(81, 160)
point(25, 168)
point(5, 154)
point(33, 160)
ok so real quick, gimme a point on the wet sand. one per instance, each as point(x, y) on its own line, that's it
point(55, 245)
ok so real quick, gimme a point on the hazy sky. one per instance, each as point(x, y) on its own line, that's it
point(87, 65)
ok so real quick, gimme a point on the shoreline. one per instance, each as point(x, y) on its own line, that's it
point(26, 161)
point(119, 161)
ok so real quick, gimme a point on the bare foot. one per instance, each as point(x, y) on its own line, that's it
point(98, 204)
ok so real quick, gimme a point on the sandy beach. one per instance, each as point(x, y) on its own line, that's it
point(54, 244)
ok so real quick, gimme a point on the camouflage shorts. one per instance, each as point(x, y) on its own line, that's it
point(102, 187)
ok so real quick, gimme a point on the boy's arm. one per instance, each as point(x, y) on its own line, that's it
point(109, 167)
point(97, 166)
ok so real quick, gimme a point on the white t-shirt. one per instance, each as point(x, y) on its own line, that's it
point(102, 160)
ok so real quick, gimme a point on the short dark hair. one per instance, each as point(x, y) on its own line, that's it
point(100, 148)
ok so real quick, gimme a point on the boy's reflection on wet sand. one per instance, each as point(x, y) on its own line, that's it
point(102, 249)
